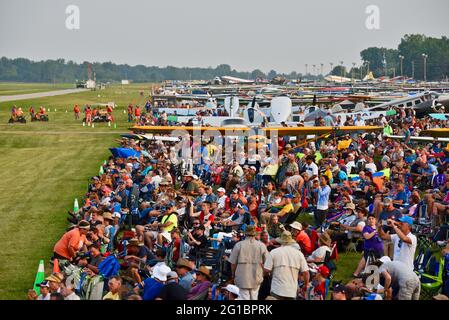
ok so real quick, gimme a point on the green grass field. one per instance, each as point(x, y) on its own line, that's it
point(47, 165)
point(13, 88)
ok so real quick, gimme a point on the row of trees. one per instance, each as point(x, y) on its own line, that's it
point(387, 62)
point(381, 61)
point(24, 70)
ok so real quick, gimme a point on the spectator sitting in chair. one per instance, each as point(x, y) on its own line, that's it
point(201, 284)
point(152, 286)
point(115, 285)
point(172, 290)
point(95, 259)
point(197, 240)
point(301, 238)
point(183, 269)
point(239, 218)
point(319, 255)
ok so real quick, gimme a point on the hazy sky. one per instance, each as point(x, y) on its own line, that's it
point(267, 34)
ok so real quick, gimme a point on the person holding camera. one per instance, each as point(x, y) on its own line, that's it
point(404, 242)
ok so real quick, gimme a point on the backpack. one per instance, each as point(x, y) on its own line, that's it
point(109, 267)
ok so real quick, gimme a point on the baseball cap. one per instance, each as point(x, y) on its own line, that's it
point(288, 196)
point(44, 284)
point(385, 259)
point(339, 288)
point(116, 215)
point(221, 189)
point(406, 219)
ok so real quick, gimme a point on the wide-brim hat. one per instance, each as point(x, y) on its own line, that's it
point(53, 278)
point(107, 216)
point(183, 263)
point(296, 225)
point(160, 272)
point(325, 239)
point(350, 206)
point(134, 242)
point(204, 271)
point(285, 238)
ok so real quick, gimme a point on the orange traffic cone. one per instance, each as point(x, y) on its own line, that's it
point(56, 266)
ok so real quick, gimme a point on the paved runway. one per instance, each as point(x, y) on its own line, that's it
point(27, 96)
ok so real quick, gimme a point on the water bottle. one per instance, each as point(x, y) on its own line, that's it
point(76, 206)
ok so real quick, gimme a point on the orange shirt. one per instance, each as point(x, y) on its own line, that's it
point(304, 242)
point(72, 239)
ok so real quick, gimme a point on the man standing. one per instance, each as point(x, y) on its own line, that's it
point(247, 260)
point(285, 263)
point(388, 212)
point(404, 242)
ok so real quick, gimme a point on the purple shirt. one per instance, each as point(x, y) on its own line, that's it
point(375, 243)
point(199, 288)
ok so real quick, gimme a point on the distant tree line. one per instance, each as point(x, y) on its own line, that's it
point(24, 70)
point(387, 62)
point(411, 49)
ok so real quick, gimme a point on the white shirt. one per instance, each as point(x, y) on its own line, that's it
point(320, 253)
point(350, 165)
point(72, 296)
point(360, 122)
point(285, 262)
point(371, 167)
point(222, 202)
point(406, 252)
point(156, 180)
point(41, 297)
point(312, 170)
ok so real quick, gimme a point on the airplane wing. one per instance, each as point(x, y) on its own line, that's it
point(436, 133)
point(282, 131)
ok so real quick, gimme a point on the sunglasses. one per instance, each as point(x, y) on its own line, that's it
point(196, 223)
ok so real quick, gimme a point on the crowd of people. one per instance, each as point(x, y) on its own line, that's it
point(153, 227)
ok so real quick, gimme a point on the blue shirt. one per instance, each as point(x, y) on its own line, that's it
point(151, 289)
point(323, 198)
point(401, 196)
point(186, 281)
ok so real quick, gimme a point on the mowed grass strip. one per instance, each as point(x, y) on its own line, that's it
point(48, 164)
point(44, 174)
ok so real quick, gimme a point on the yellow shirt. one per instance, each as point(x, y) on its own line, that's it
point(285, 210)
point(173, 218)
point(112, 296)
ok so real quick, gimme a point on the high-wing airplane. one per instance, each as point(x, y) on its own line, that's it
point(281, 131)
point(423, 103)
point(436, 133)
